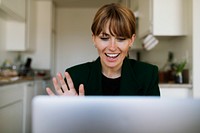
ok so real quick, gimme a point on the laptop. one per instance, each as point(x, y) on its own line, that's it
point(90, 114)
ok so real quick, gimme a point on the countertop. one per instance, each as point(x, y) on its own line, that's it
point(48, 77)
point(19, 79)
point(189, 86)
point(10, 78)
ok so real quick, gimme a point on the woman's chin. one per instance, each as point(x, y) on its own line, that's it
point(112, 64)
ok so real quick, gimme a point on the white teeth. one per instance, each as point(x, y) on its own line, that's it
point(112, 55)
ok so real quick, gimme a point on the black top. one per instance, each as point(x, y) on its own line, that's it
point(137, 78)
point(110, 86)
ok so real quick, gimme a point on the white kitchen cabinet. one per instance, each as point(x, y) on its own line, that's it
point(15, 8)
point(176, 91)
point(15, 35)
point(162, 17)
point(20, 35)
point(11, 108)
point(16, 106)
point(29, 90)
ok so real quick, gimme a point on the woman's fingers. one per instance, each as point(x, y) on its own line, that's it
point(65, 89)
point(61, 87)
point(69, 82)
point(49, 92)
point(57, 86)
point(81, 90)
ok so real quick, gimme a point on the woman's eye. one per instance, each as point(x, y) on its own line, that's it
point(104, 38)
point(121, 39)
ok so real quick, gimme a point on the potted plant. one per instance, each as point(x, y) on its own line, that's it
point(179, 67)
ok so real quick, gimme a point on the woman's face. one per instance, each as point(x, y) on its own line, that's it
point(112, 49)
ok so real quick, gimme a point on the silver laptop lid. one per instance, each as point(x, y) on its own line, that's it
point(60, 114)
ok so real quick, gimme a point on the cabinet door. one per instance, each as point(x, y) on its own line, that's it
point(20, 36)
point(15, 35)
point(15, 107)
point(169, 17)
point(28, 96)
point(15, 8)
point(162, 17)
point(11, 118)
point(176, 92)
point(11, 109)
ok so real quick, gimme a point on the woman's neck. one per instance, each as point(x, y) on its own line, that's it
point(111, 72)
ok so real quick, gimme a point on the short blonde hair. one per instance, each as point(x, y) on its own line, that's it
point(121, 21)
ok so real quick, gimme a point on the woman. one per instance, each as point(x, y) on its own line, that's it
point(113, 33)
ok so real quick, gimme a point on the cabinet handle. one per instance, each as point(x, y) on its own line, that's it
point(30, 85)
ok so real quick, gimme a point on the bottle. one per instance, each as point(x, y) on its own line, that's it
point(169, 69)
point(17, 63)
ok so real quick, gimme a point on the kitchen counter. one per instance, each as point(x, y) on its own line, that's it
point(17, 79)
point(6, 81)
point(189, 86)
point(37, 74)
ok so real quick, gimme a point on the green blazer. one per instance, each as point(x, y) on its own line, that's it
point(137, 78)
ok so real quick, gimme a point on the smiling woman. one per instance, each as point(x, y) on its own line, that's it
point(113, 32)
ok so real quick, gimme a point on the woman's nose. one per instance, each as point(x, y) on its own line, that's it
point(112, 45)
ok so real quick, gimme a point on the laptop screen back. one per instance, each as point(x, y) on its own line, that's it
point(59, 114)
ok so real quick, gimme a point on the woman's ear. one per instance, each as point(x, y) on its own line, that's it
point(93, 39)
point(132, 40)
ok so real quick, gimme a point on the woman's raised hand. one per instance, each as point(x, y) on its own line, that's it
point(61, 87)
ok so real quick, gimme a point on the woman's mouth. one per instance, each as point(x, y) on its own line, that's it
point(112, 55)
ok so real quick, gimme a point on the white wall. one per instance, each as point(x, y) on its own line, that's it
point(41, 56)
point(196, 48)
point(74, 37)
point(2, 36)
